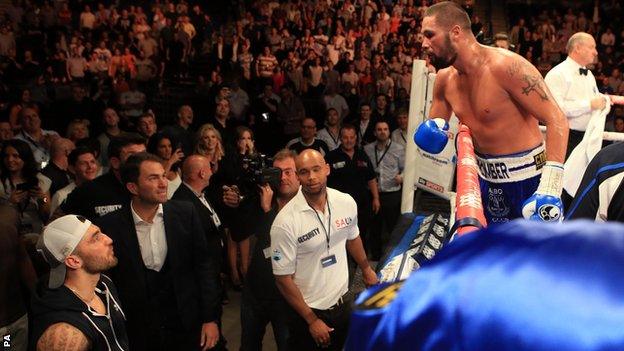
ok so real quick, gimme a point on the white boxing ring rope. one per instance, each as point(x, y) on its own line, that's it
point(608, 136)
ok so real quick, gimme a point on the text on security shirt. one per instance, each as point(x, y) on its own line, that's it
point(299, 246)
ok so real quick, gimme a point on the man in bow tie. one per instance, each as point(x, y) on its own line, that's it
point(574, 86)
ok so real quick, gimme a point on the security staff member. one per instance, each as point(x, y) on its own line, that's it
point(308, 241)
point(353, 173)
point(574, 87)
point(388, 162)
point(106, 193)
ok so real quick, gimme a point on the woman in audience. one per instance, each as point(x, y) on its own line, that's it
point(23, 186)
point(209, 144)
point(234, 173)
point(170, 151)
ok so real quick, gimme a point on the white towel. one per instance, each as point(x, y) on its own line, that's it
point(574, 168)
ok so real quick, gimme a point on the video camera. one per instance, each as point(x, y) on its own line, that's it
point(257, 170)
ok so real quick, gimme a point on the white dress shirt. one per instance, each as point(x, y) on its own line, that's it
point(328, 138)
point(573, 92)
point(399, 136)
point(152, 239)
point(388, 162)
point(41, 154)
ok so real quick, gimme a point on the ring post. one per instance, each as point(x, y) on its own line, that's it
point(468, 204)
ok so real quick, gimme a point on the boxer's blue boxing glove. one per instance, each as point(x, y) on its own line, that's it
point(431, 135)
point(545, 204)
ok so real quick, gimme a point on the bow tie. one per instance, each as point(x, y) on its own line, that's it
point(583, 71)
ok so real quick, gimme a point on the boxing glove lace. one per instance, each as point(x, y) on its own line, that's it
point(545, 204)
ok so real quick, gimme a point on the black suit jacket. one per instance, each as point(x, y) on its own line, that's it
point(195, 278)
point(213, 234)
point(368, 135)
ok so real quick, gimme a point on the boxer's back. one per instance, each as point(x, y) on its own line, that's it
point(481, 100)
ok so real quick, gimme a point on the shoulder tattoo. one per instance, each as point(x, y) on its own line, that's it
point(62, 337)
point(533, 81)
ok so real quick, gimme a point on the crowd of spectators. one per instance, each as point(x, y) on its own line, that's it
point(253, 77)
point(84, 84)
point(540, 31)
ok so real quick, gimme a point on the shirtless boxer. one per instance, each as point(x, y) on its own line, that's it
point(501, 97)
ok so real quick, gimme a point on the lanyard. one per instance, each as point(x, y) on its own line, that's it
point(328, 229)
point(335, 140)
point(34, 143)
point(403, 137)
point(377, 159)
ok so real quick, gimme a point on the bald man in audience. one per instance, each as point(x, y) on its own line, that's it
point(57, 169)
point(196, 173)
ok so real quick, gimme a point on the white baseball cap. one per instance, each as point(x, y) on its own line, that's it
point(59, 239)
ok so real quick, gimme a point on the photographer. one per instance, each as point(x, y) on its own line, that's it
point(261, 301)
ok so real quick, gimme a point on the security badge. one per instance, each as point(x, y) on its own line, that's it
point(339, 165)
point(328, 261)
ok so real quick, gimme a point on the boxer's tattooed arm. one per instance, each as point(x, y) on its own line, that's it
point(63, 337)
point(532, 79)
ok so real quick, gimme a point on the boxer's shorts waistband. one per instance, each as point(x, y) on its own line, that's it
point(511, 168)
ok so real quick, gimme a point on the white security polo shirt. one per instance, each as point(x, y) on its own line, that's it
point(299, 246)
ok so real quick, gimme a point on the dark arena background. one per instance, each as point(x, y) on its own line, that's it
point(210, 94)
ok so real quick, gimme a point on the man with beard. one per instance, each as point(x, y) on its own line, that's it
point(310, 238)
point(77, 308)
point(167, 279)
point(501, 97)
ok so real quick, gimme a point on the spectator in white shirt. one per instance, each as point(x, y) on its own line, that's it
point(37, 138)
point(331, 133)
point(607, 38)
point(399, 135)
point(87, 18)
point(350, 76)
point(336, 101)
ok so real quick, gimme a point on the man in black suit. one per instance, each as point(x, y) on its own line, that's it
point(365, 125)
point(196, 173)
point(165, 276)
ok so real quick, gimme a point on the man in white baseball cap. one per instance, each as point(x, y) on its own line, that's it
point(75, 303)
